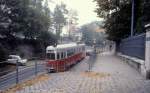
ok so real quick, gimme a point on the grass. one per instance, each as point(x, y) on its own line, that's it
point(95, 74)
point(27, 83)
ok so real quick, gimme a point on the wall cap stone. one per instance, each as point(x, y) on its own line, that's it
point(134, 59)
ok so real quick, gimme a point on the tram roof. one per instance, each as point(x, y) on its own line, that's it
point(64, 46)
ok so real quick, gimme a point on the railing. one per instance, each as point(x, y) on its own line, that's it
point(20, 73)
point(133, 46)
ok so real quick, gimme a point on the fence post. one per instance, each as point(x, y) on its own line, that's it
point(17, 72)
point(35, 67)
point(90, 62)
point(89, 69)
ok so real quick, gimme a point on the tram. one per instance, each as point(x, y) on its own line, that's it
point(63, 56)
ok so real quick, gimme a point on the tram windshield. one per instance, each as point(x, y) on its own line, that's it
point(51, 56)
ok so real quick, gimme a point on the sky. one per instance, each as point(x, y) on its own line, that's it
point(84, 8)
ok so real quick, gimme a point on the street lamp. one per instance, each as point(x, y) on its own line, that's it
point(132, 18)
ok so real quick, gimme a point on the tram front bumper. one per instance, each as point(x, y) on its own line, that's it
point(50, 69)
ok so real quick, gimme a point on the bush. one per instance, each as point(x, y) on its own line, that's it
point(3, 53)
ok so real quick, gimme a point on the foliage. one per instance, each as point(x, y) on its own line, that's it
point(3, 53)
point(117, 15)
point(37, 20)
point(139, 22)
point(10, 17)
point(72, 23)
point(89, 33)
point(146, 12)
point(59, 18)
point(25, 20)
point(47, 38)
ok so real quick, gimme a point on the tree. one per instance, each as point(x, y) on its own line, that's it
point(72, 22)
point(12, 12)
point(91, 32)
point(25, 17)
point(25, 22)
point(117, 15)
point(59, 18)
point(146, 12)
point(47, 38)
point(38, 20)
point(139, 14)
point(3, 53)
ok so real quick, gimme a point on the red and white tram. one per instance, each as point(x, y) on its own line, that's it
point(63, 56)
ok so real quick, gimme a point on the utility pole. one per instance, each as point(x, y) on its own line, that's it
point(132, 18)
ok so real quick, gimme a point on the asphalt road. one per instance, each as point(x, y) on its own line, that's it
point(24, 73)
point(27, 72)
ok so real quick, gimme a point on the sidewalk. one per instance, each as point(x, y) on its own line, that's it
point(109, 75)
point(124, 78)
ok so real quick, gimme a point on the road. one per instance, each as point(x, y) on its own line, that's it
point(25, 72)
point(28, 71)
point(109, 75)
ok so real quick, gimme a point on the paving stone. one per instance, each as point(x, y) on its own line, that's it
point(123, 79)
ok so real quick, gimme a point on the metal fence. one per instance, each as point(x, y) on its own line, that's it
point(20, 73)
point(133, 46)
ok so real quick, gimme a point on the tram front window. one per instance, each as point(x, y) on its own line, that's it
point(51, 56)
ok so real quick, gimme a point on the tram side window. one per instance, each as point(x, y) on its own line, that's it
point(62, 55)
point(72, 51)
point(79, 49)
point(83, 48)
point(51, 56)
point(76, 50)
point(68, 53)
point(58, 56)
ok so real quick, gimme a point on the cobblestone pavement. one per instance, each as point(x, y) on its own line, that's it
point(121, 79)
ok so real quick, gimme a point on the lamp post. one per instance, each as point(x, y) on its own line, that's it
point(132, 18)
